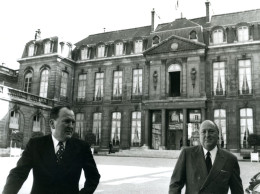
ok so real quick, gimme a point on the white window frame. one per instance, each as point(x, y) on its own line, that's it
point(44, 83)
point(79, 126)
point(245, 76)
point(119, 48)
point(116, 128)
point(101, 51)
point(221, 121)
point(84, 53)
point(31, 49)
point(28, 82)
point(64, 83)
point(137, 82)
point(138, 46)
point(219, 77)
point(117, 83)
point(47, 47)
point(246, 126)
point(82, 85)
point(242, 33)
point(99, 83)
point(97, 118)
point(218, 36)
point(136, 128)
point(36, 123)
point(14, 120)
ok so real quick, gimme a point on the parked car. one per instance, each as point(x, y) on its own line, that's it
point(254, 185)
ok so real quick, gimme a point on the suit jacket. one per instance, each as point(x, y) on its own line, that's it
point(50, 177)
point(191, 170)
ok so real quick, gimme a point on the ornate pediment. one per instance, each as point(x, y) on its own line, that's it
point(174, 44)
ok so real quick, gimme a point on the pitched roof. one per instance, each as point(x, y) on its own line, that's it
point(177, 24)
point(116, 35)
point(235, 18)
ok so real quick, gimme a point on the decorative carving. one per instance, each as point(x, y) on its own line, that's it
point(155, 79)
point(193, 76)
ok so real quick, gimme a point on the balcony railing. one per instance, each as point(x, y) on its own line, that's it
point(10, 93)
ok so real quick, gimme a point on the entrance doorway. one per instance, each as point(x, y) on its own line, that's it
point(174, 140)
point(174, 79)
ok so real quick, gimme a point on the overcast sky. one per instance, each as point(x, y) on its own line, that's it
point(75, 20)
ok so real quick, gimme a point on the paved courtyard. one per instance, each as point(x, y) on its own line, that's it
point(129, 175)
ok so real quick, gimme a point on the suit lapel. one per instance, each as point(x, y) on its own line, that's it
point(217, 166)
point(200, 165)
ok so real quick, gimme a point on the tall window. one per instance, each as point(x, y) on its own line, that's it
point(119, 48)
point(220, 120)
point(137, 81)
point(138, 46)
point(64, 83)
point(101, 51)
point(136, 129)
point(99, 86)
point(117, 85)
point(219, 78)
point(47, 47)
point(82, 85)
point(84, 53)
point(28, 82)
point(116, 128)
point(79, 124)
point(174, 71)
point(97, 127)
point(246, 125)
point(44, 83)
point(14, 120)
point(31, 50)
point(36, 123)
point(245, 77)
point(218, 36)
point(243, 33)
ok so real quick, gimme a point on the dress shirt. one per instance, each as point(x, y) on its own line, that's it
point(213, 153)
point(55, 144)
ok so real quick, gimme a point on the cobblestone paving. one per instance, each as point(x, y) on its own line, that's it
point(129, 175)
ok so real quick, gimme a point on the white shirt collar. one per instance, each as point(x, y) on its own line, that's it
point(213, 153)
point(56, 142)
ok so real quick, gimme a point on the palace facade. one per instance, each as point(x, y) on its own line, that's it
point(142, 86)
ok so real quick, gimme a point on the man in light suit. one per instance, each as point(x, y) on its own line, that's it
point(56, 159)
point(206, 169)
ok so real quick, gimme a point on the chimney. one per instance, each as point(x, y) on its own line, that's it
point(207, 3)
point(152, 23)
point(37, 34)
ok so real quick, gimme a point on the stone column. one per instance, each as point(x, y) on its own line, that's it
point(203, 112)
point(185, 127)
point(163, 129)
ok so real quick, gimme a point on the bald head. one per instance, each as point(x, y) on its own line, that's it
point(208, 134)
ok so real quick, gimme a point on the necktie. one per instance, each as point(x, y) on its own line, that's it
point(60, 152)
point(208, 162)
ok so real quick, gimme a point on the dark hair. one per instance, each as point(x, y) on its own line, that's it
point(54, 114)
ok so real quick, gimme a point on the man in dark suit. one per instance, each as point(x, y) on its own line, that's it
point(57, 160)
point(206, 169)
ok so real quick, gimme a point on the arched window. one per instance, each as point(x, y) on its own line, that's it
point(218, 36)
point(28, 82)
point(79, 124)
point(193, 35)
point(44, 83)
point(64, 83)
point(174, 71)
point(36, 123)
point(156, 40)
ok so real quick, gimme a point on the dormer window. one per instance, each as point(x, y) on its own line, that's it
point(156, 40)
point(66, 49)
point(84, 53)
point(193, 36)
point(218, 36)
point(31, 50)
point(243, 33)
point(101, 51)
point(119, 48)
point(138, 46)
point(47, 47)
